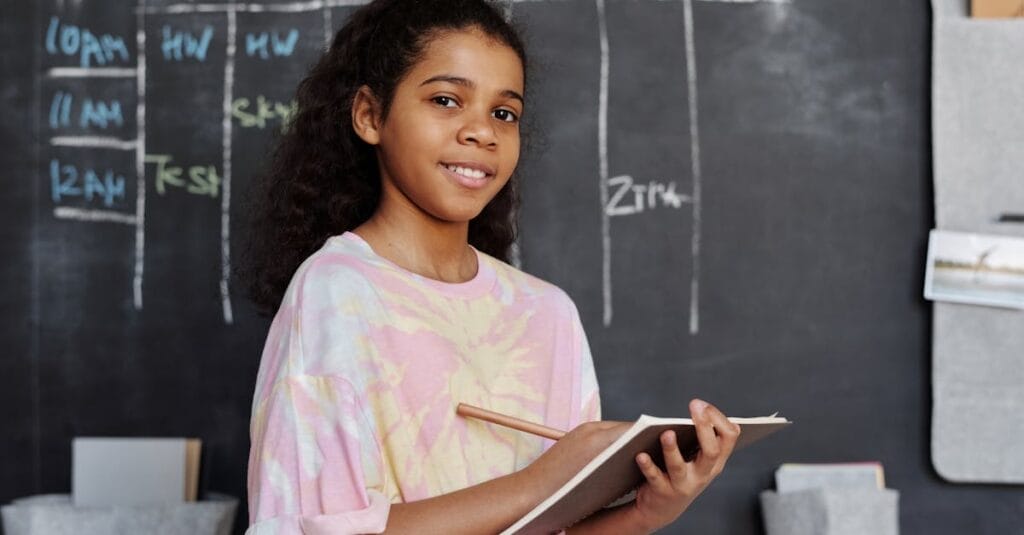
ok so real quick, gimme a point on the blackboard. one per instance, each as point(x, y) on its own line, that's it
point(735, 193)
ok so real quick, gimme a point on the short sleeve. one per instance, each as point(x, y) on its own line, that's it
point(590, 411)
point(589, 393)
point(590, 399)
point(312, 452)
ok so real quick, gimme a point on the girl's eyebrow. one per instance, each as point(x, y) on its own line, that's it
point(466, 82)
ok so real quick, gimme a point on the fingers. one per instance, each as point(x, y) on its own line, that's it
point(727, 431)
point(657, 479)
point(716, 434)
point(675, 465)
point(704, 426)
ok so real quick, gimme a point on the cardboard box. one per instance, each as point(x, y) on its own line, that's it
point(997, 9)
point(125, 471)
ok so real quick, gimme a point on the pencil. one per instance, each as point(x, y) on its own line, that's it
point(512, 422)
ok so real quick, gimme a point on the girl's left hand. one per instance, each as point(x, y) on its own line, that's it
point(665, 495)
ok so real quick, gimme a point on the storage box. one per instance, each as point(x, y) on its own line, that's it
point(997, 9)
point(831, 512)
point(54, 514)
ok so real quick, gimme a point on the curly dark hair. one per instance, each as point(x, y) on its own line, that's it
point(323, 179)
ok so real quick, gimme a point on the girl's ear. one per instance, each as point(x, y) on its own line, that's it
point(366, 116)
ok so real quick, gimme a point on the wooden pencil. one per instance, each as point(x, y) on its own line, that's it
point(508, 421)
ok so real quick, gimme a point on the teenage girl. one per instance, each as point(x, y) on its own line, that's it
point(386, 222)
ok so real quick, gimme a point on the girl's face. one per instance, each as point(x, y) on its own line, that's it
point(451, 138)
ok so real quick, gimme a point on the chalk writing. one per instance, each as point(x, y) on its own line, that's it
point(68, 181)
point(256, 44)
point(257, 116)
point(199, 179)
point(70, 40)
point(644, 196)
point(179, 45)
point(90, 114)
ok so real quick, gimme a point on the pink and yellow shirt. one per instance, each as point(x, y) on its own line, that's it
point(354, 407)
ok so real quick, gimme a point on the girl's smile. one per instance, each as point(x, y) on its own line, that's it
point(472, 175)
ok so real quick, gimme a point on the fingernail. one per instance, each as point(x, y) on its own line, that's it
point(699, 406)
point(669, 438)
point(642, 458)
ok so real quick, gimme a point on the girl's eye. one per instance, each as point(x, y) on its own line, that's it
point(505, 115)
point(443, 101)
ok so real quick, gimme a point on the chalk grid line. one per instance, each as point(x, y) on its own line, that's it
point(140, 158)
point(93, 142)
point(107, 216)
point(225, 186)
point(35, 307)
point(232, 8)
point(602, 134)
point(691, 97)
point(314, 5)
point(602, 151)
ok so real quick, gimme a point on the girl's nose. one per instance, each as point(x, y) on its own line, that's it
point(477, 131)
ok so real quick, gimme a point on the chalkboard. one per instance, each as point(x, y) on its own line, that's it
point(735, 193)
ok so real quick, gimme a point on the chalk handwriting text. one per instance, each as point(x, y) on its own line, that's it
point(69, 181)
point(70, 40)
point(631, 198)
point(197, 180)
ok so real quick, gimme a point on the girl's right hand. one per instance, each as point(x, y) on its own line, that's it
point(569, 455)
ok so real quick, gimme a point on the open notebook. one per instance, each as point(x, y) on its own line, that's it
point(613, 473)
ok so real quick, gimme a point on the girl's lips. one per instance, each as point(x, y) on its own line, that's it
point(465, 181)
point(471, 164)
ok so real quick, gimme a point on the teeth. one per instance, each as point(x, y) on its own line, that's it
point(467, 172)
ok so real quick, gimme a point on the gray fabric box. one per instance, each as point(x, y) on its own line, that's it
point(53, 514)
point(978, 134)
point(831, 512)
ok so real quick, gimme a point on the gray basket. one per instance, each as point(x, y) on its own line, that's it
point(53, 514)
point(831, 512)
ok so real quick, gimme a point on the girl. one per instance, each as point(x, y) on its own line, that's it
point(388, 216)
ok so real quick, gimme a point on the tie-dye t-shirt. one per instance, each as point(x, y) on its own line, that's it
point(363, 367)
